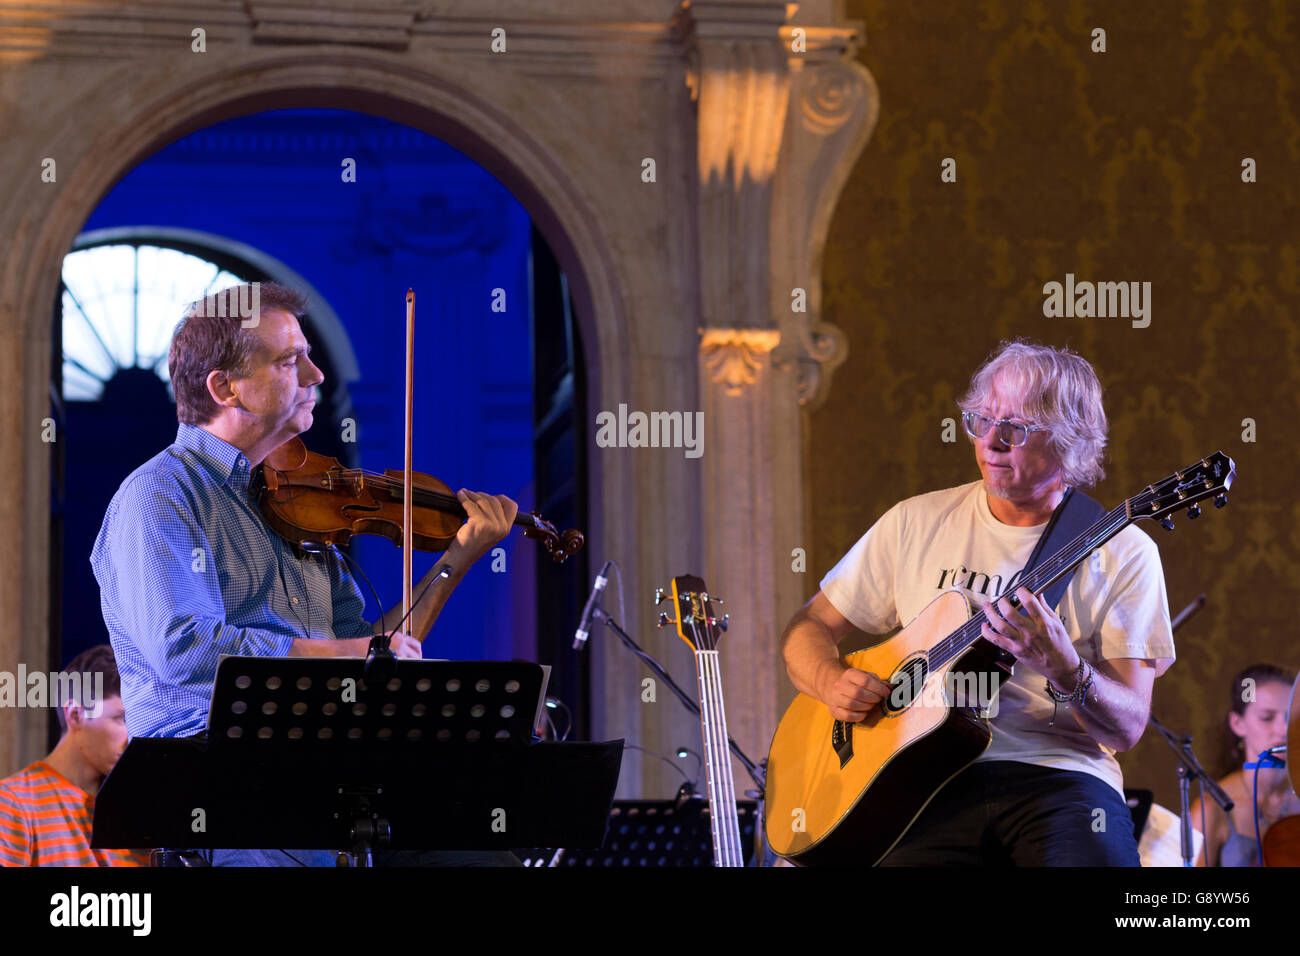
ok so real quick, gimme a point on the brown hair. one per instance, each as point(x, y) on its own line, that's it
point(94, 660)
point(1231, 747)
point(211, 337)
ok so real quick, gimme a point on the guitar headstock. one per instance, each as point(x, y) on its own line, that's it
point(1211, 477)
point(696, 622)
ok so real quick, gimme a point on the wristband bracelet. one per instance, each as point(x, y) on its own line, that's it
point(1086, 686)
point(1081, 685)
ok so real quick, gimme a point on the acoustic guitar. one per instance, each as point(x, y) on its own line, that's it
point(843, 794)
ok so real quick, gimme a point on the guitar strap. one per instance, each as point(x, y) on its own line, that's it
point(1075, 514)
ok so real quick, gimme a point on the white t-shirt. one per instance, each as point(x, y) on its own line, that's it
point(1115, 607)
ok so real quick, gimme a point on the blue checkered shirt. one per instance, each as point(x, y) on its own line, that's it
point(188, 570)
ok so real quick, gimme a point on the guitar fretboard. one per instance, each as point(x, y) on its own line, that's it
point(717, 755)
point(1037, 580)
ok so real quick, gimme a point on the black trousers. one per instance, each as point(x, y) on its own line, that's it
point(1004, 813)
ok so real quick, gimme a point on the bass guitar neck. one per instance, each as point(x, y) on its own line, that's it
point(701, 629)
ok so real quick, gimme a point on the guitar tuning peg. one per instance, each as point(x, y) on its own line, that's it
point(726, 620)
point(665, 620)
point(1167, 522)
point(718, 601)
point(659, 596)
point(1220, 500)
point(1194, 512)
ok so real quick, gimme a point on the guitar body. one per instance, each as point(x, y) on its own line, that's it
point(856, 806)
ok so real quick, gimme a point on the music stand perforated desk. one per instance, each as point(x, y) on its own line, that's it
point(302, 753)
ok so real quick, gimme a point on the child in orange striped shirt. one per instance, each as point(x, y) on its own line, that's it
point(46, 809)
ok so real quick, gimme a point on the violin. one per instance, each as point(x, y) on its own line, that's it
point(306, 496)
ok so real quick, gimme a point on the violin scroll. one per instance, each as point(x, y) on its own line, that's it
point(559, 546)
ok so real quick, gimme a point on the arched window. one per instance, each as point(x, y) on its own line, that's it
point(120, 305)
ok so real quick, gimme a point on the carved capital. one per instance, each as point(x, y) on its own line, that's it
point(829, 99)
point(735, 356)
point(816, 352)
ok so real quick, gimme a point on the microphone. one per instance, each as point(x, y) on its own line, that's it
point(1268, 759)
point(584, 623)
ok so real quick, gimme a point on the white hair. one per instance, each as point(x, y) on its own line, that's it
point(1052, 387)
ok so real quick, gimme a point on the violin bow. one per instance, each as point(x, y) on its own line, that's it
point(407, 516)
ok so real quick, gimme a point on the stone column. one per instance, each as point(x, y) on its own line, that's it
point(738, 400)
point(781, 118)
point(739, 76)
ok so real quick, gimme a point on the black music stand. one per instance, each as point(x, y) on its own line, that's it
point(653, 833)
point(302, 753)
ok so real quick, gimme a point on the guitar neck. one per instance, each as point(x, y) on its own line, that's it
point(722, 788)
point(1068, 558)
point(1038, 580)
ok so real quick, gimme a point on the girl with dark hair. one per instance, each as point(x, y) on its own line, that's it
point(1256, 721)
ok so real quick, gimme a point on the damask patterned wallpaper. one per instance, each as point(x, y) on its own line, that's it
point(1127, 165)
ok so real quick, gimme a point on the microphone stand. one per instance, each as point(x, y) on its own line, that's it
point(381, 662)
point(1188, 765)
point(599, 614)
point(756, 773)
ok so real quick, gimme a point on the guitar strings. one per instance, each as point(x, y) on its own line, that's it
point(710, 755)
point(960, 639)
point(725, 827)
point(966, 635)
point(732, 832)
point(1040, 577)
point(717, 791)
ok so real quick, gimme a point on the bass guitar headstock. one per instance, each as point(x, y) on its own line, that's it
point(696, 622)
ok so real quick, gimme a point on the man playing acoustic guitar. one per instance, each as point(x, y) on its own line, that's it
point(1048, 790)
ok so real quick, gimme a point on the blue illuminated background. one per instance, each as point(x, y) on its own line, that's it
point(420, 214)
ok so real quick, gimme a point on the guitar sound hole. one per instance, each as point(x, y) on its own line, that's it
point(907, 682)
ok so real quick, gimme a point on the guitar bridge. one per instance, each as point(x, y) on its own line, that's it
point(842, 741)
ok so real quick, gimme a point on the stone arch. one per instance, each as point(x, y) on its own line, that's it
point(97, 142)
point(354, 80)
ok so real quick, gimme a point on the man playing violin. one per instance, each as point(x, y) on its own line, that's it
point(187, 567)
point(1048, 790)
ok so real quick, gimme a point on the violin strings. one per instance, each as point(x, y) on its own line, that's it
point(386, 483)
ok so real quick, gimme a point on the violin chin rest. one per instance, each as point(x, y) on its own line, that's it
point(290, 456)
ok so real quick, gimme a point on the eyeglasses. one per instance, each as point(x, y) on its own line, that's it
point(1012, 433)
